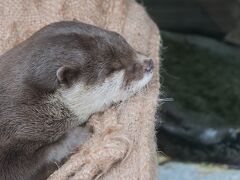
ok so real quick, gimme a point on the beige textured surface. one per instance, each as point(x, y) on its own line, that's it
point(127, 130)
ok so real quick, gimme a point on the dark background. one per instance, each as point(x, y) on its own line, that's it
point(200, 116)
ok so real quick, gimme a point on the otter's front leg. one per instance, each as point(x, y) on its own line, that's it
point(64, 147)
point(113, 146)
point(53, 155)
point(110, 144)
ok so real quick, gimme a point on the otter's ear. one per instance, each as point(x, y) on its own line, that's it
point(66, 75)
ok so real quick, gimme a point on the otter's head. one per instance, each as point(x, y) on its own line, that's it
point(96, 68)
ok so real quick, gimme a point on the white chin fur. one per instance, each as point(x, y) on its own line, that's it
point(85, 100)
point(135, 86)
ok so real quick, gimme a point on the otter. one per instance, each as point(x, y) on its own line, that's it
point(52, 83)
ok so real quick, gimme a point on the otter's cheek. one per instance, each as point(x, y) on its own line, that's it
point(138, 85)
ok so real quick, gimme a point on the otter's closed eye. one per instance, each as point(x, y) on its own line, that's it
point(136, 67)
point(116, 66)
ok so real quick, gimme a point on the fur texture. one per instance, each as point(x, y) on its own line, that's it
point(19, 20)
point(67, 68)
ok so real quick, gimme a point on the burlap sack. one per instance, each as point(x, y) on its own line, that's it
point(125, 130)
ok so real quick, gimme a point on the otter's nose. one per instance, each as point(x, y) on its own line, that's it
point(148, 65)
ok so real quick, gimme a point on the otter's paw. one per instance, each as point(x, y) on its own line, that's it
point(97, 157)
point(67, 145)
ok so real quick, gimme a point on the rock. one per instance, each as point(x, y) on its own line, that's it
point(182, 16)
point(234, 36)
point(213, 45)
point(188, 171)
point(225, 13)
point(215, 18)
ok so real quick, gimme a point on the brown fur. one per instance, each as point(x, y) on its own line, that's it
point(21, 19)
point(57, 56)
